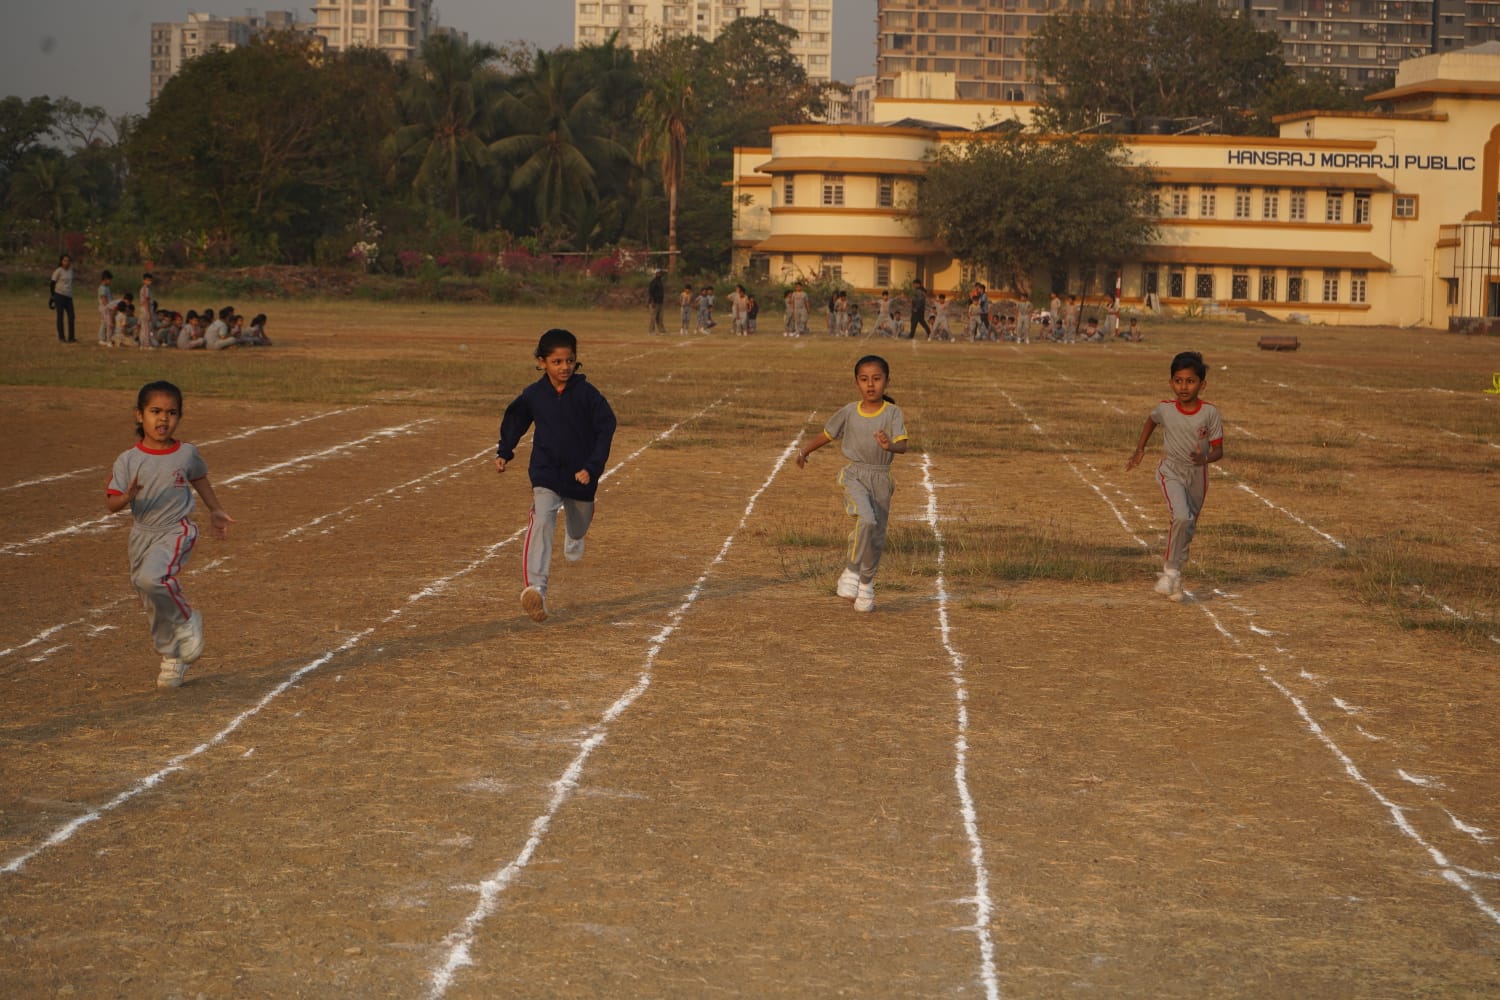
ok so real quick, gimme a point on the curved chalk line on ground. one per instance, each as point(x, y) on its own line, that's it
point(66, 831)
point(108, 521)
point(459, 942)
point(983, 905)
point(251, 432)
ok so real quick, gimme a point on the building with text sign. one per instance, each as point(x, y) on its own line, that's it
point(1366, 217)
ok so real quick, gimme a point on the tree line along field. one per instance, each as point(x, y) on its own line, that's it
point(1023, 775)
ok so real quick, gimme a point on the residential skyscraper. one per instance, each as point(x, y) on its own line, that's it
point(976, 49)
point(638, 23)
point(175, 43)
point(396, 27)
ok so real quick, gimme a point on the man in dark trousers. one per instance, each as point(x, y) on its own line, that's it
point(655, 295)
point(918, 311)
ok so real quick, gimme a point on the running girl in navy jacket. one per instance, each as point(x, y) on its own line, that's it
point(574, 428)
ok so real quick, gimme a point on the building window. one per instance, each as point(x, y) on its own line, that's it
point(833, 189)
point(1203, 286)
point(1239, 284)
point(1242, 203)
point(788, 192)
point(831, 268)
point(1333, 208)
point(1331, 286)
point(1176, 285)
point(882, 272)
point(1405, 206)
point(885, 192)
point(1361, 208)
point(1358, 281)
point(1179, 201)
point(1268, 286)
point(1297, 206)
point(1208, 203)
point(1270, 203)
point(1294, 284)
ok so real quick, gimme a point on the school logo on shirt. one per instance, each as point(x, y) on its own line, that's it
point(179, 479)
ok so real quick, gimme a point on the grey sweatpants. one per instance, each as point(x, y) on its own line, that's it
point(156, 558)
point(867, 497)
point(543, 525)
point(1184, 490)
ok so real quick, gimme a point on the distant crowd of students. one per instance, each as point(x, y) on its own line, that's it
point(138, 320)
point(983, 319)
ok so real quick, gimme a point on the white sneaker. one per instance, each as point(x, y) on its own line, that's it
point(190, 639)
point(848, 587)
point(171, 673)
point(572, 548)
point(1163, 584)
point(1177, 592)
point(865, 600)
point(534, 603)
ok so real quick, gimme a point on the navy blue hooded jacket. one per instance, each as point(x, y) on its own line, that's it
point(574, 429)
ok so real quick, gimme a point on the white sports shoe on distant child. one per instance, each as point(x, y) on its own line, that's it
point(848, 587)
point(1169, 585)
point(171, 673)
point(865, 599)
point(534, 603)
point(572, 548)
point(190, 639)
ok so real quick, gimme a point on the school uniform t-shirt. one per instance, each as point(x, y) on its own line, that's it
point(855, 432)
point(166, 494)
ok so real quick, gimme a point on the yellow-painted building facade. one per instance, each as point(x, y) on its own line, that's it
point(1378, 217)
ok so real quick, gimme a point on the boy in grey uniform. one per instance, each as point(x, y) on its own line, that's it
point(1192, 438)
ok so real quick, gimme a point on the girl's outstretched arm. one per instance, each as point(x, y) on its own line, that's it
point(1140, 447)
point(219, 521)
point(817, 443)
point(119, 501)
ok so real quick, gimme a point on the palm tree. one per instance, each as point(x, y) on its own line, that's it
point(557, 141)
point(664, 113)
point(449, 104)
point(49, 186)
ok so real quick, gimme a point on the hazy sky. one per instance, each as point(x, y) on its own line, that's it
point(98, 51)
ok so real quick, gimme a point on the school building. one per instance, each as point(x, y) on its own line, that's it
point(1349, 218)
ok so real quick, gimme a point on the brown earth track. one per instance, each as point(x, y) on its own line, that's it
point(777, 813)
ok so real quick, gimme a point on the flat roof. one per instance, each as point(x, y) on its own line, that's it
point(1353, 260)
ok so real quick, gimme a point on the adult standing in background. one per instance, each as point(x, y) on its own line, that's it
point(656, 295)
point(61, 287)
point(918, 311)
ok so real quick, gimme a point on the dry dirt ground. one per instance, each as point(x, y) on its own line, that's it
point(1025, 775)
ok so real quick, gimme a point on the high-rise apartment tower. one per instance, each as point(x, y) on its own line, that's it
point(638, 23)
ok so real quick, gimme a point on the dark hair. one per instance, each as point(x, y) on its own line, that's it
point(553, 339)
point(154, 389)
point(259, 320)
point(226, 312)
point(148, 276)
point(106, 276)
point(1191, 360)
point(874, 359)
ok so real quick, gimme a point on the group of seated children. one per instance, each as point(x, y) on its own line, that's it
point(120, 325)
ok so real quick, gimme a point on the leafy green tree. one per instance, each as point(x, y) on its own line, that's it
point(450, 111)
point(750, 81)
point(1317, 92)
point(1168, 58)
point(48, 185)
point(1018, 205)
point(556, 141)
point(23, 125)
point(266, 147)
